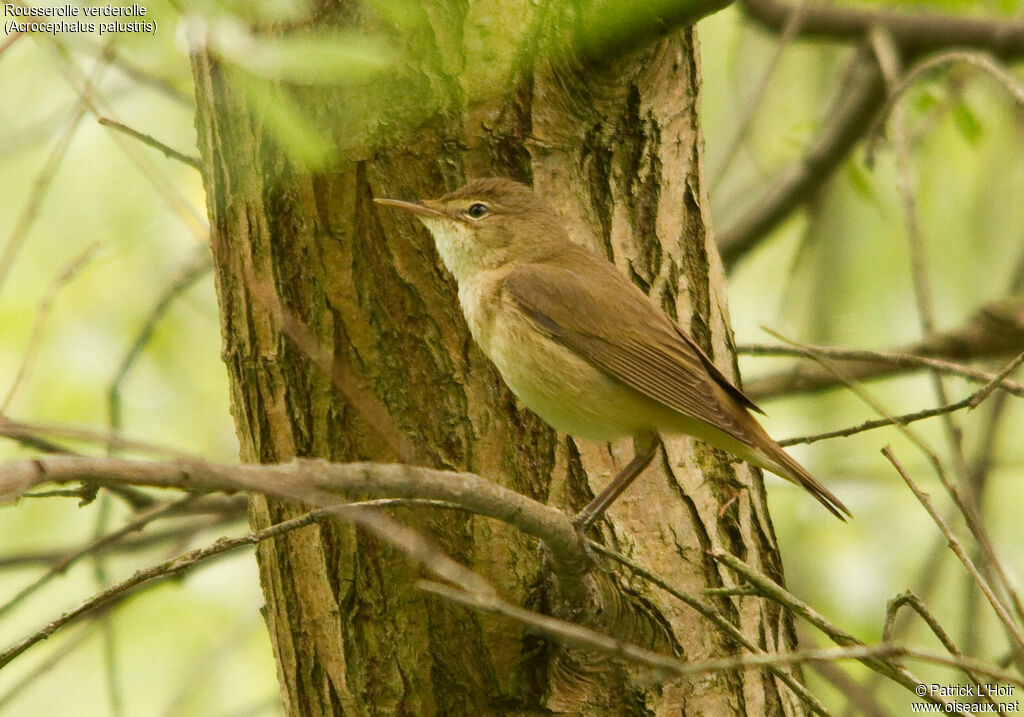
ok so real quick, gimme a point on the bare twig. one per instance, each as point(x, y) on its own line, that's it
point(21, 431)
point(146, 139)
point(888, 60)
point(747, 118)
point(95, 104)
point(143, 76)
point(108, 637)
point(979, 60)
point(177, 534)
point(862, 654)
point(974, 497)
point(888, 420)
point(1012, 629)
point(874, 423)
point(68, 273)
point(912, 601)
point(773, 591)
point(165, 569)
point(566, 633)
point(188, 276)
point(914, 32)
point(717, 619)
point(580, 637)
point(29, 440)
point(837, 138)
point(94, 547)
point(320, 483)
point(863, 364)
point(41, 184)
point(858, 697)
point(996, 381)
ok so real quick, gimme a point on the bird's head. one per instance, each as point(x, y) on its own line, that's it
point(484, 224)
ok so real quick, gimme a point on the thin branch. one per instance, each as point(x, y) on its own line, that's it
point(319, 483)
point(861, 654)
point(912, 601)
point(974, 486)
point(717, 619)
point(858, 697)
point(564, 632)
point(372, 520)
point(925, 583)
point(30, 440)
point(969, 402)
point(773, 591)
point(21, 431)
point(66, 649)
point(98, 107)
point(1013, 630)
point(82, 494)
point(168, 568)
point(996, 381)
point(886, 53)
point(747, 118)
point(41, 184)
point(842, 131)
point(915, 603)
point(188, 276)
point(134, 498)
point(581, 637)
point(976, 59)
point(914, 32)
point(888, 60)
point(108, 636)
point(901, 420)
point(178, 534)
point(68, 273)
point(934, 353)
point(974, 496)
point(146, 139)
point(96, 546)
point(144, 77)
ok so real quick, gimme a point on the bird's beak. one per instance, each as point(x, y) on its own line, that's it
point(411, 207)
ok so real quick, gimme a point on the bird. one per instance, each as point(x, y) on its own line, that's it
point(581, 345)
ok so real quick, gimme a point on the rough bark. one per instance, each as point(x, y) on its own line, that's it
point(617, 148)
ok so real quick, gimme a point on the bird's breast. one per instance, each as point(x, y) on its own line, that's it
point(554, 382)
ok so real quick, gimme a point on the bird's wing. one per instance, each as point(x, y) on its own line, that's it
point(647, 351)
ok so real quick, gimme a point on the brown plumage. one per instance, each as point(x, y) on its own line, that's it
point(579, 343)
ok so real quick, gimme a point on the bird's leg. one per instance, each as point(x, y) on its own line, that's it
point(644, 446)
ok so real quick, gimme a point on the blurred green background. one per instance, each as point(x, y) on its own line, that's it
point(835, 273)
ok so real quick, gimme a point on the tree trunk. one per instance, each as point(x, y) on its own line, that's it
point(616, 147)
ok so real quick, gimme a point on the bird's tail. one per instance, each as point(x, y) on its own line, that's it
point(776, 460)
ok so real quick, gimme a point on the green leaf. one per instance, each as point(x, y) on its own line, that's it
point(967, 122)
point(326, 59)
point(863, 184)
point(286, 122)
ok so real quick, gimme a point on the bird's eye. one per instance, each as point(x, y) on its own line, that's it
point(477, 211)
